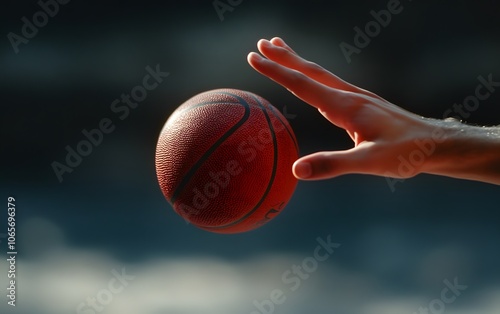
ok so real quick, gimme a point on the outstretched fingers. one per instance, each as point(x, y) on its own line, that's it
point(278, 51)
point(337, 103)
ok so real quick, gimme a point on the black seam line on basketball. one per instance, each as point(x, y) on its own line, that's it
point(271, 180)
point(211, 102)
point(207, 154)
point(276, 113)
point(208, 103)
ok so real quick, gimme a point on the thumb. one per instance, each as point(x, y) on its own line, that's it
point(324, 165)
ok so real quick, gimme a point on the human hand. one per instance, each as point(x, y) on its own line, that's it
point(380, 130)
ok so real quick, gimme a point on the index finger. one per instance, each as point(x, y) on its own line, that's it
point(327, 99)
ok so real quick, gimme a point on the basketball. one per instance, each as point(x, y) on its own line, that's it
point(224, 161)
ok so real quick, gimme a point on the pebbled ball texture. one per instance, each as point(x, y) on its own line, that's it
point(224, 161)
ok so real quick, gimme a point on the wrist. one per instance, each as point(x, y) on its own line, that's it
point(464, 151)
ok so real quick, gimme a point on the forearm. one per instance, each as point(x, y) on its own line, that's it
point(467, 152)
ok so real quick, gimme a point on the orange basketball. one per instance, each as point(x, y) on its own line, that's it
point(224, 161)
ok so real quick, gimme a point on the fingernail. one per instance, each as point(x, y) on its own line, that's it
point(255, 57)
point(266, 43)
point(303, 170)
point(278, 39)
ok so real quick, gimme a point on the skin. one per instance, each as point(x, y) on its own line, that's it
point(400, 144)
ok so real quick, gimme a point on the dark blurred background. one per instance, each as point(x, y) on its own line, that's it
point(397, 246)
